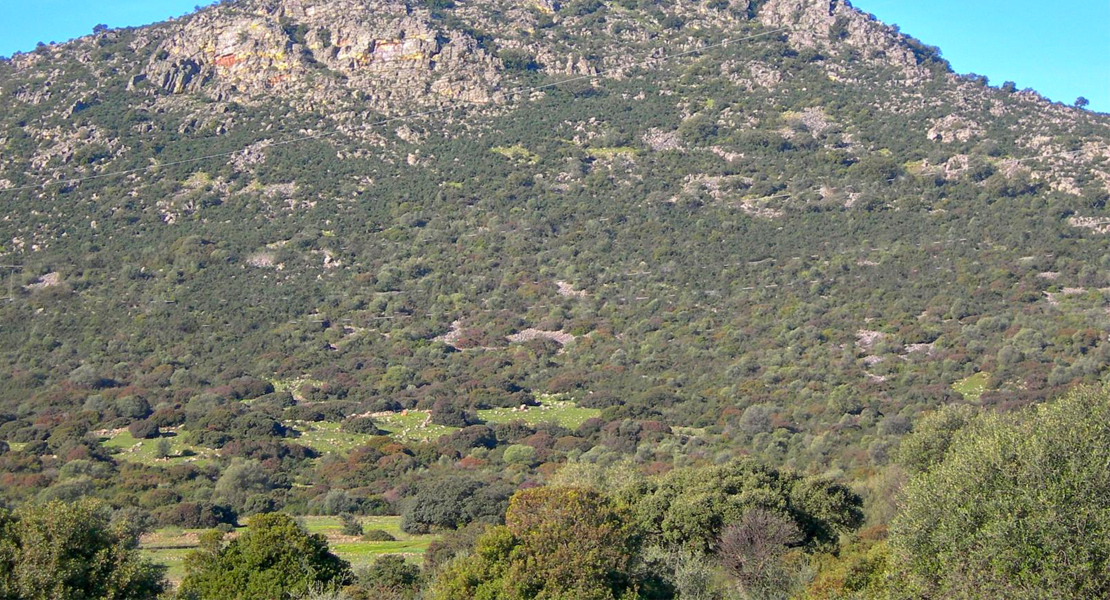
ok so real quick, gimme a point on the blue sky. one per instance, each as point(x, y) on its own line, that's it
point(27, 22)
point(1061, 49)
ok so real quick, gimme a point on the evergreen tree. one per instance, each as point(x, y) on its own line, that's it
point(275, 558)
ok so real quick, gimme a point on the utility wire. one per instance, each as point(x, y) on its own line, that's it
point(644, 62)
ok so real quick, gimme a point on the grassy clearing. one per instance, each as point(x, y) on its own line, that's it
point(971, 388)
point(551, 410)
point(326, 437)
point(517, 152)
point(282, 385)
point(145, 451)
point(293, 386)
point(408, 426)
point(171, 558)
point(169, 546)
point(361, 553)
point(332, 525)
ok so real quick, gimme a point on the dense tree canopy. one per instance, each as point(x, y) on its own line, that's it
point(452, 501)
point(698, 301)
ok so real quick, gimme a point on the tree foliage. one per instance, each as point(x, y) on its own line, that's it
point(691, 507)
point(756, 553)
point(558, 543)
point(1019, 507)
point(73, 552)
point(451, 502)
point(390, 577)
point(274, 558)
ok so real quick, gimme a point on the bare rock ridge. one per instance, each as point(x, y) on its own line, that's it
point(383, 52)
point(389, 53)
point(829, 24)
point(352, 60)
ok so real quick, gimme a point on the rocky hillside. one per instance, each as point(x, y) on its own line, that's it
point(345, 62)
point(789, 245)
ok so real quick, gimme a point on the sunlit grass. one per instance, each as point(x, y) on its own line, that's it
point(171, 558)
point(971, 388)
point(551, 410)
point(146, 451)
point(407, 426)
point(169, 546)
point(327, 437)
point(517, 152)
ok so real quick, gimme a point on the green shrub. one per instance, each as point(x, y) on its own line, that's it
point(73, 551)
point(1019, 507)
point(351, 525)
point(275, 558)
point(378, 535)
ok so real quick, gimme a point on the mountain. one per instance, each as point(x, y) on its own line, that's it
point(773, 228)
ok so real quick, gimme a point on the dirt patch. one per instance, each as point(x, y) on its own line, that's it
point(453, 337)
point(725, 154)
point(659, 140)
point(263, 260)
point(1054, 298)
point(953, 129)
point(252, 155)
point(926, 349)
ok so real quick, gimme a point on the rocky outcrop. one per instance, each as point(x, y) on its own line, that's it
point(834, 24)
point(180, 75)
point(377, 53)
point(953, 128)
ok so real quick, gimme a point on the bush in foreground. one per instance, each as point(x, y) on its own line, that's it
point(73, 551)
point(275, 558)
point(1018, 507)
point(557, 543)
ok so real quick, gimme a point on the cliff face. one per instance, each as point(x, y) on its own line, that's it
point(391, 53)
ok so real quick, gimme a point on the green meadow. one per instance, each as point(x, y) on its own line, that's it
point(170, 545)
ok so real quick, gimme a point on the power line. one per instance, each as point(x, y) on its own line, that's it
point(514, 91)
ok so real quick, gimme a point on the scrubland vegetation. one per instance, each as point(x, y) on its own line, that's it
point(804, 316)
